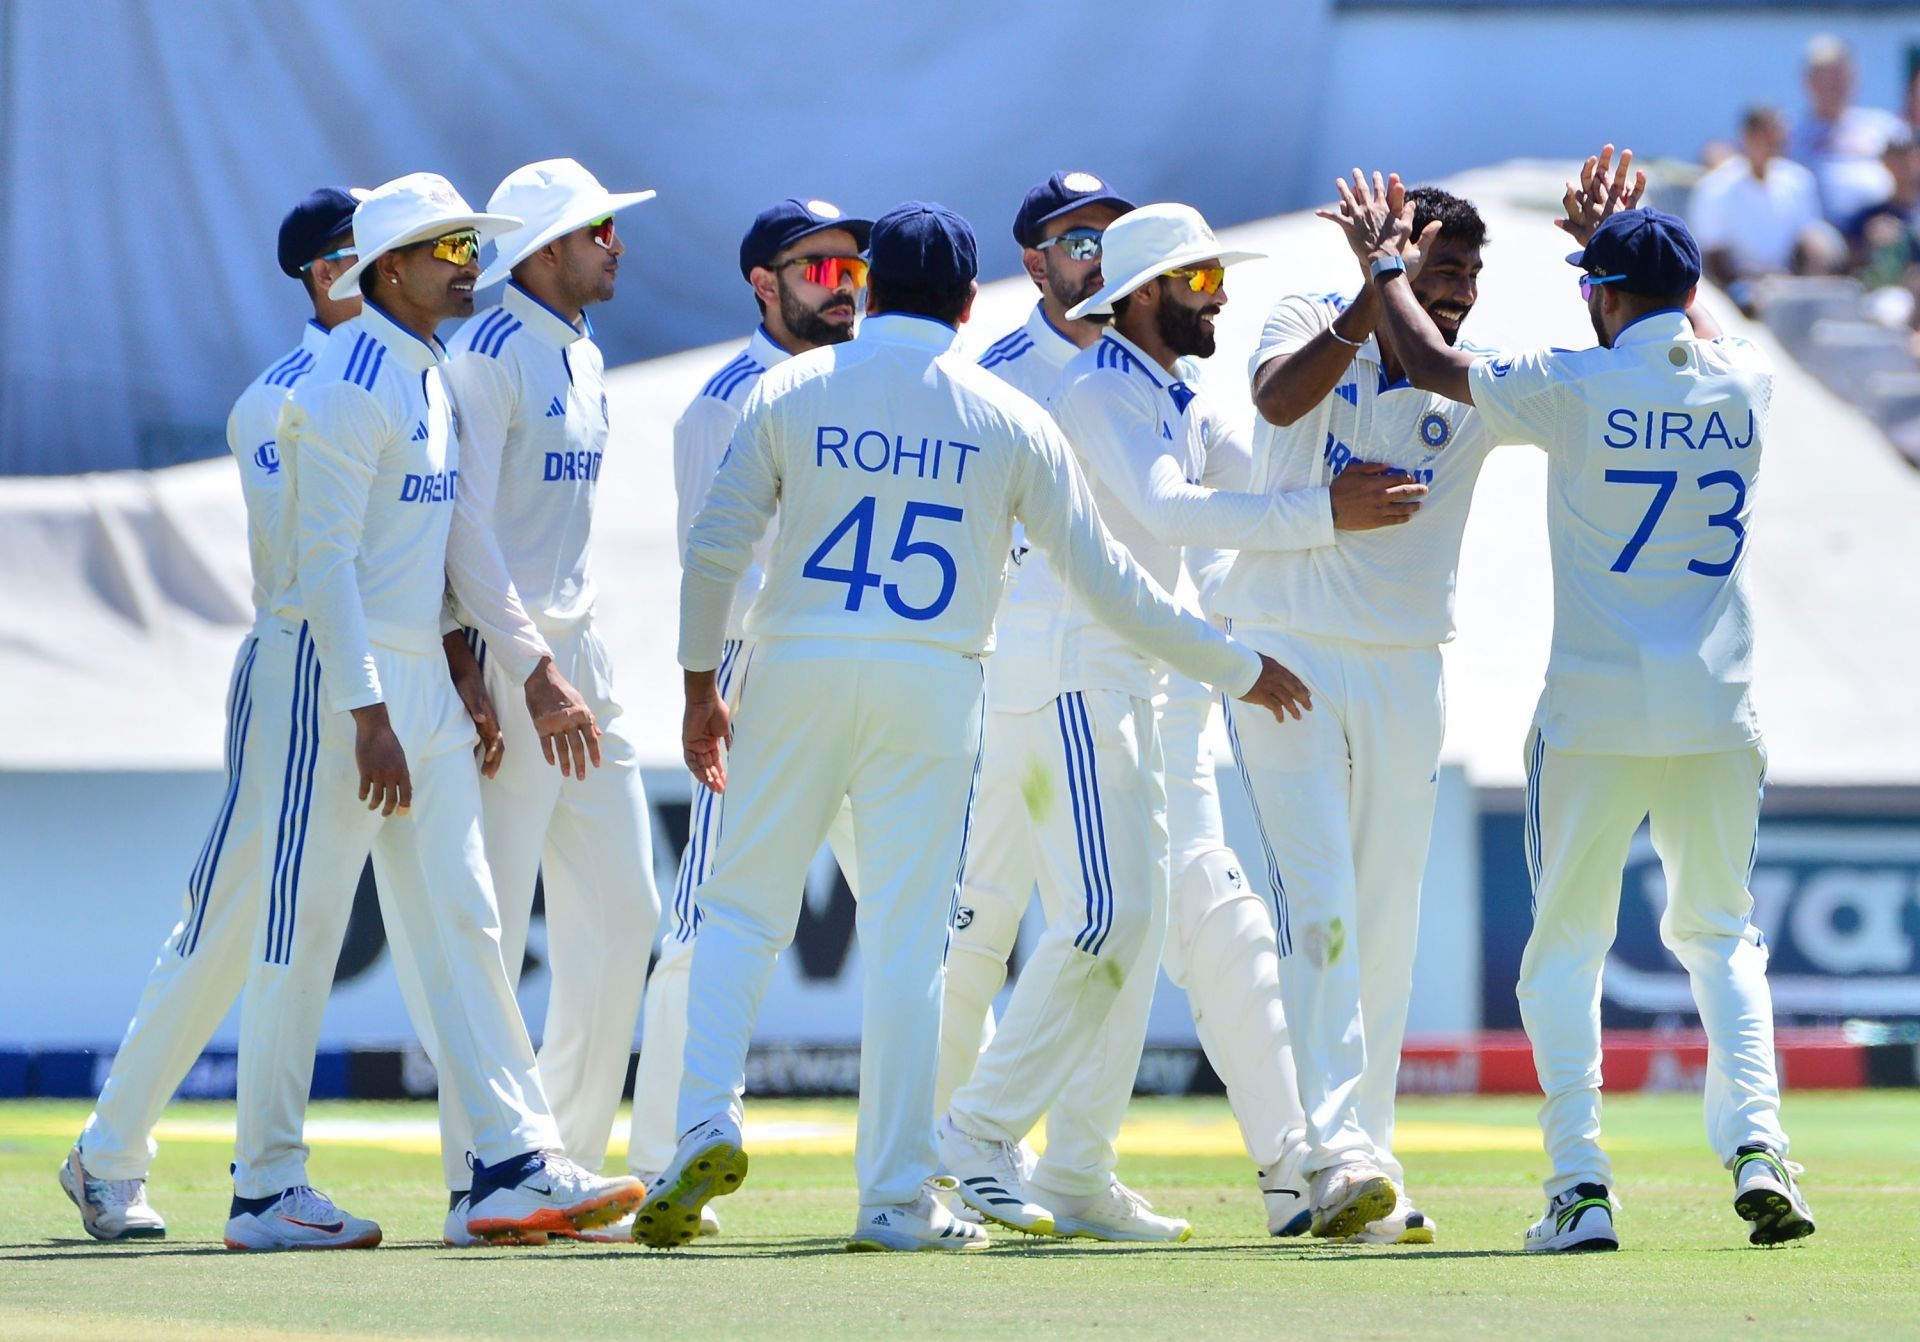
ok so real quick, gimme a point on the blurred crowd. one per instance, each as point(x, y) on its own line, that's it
point(1834, 192)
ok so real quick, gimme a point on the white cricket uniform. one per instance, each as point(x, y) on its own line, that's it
point(1073, 792)
point(1653, 451)
point(203, 962)
point(1345, 796)
point(1031, 356)
point(371, 465)
point(898, 468)
point(527, 387)
point(700, 438)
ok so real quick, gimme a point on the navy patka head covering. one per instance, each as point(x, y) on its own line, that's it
point(921, 245)
point(323, 218)
point(778, 227)
point(1651, 249)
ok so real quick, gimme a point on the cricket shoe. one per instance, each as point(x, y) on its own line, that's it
point(1578, 1220)
point(988, 1179)
point(110, 1209)
point(1284, 1188)
point(542, 1192)
point(708, 1164)
point(1116, 1214)
point(924, 1225)
point(1766, 1195)
point(1347, 1197)
point(1405, 1224)
point(709, 1219)
point(299, 1218)
point(455, 1235)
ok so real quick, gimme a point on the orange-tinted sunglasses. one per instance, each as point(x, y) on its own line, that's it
point(828, 271)
point(1200, 279)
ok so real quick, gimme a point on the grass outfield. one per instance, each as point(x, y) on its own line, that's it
point(1685, 1267)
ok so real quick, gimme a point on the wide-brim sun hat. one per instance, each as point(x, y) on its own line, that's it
point(554, 197)
point(411, 209)
point(1150, 241)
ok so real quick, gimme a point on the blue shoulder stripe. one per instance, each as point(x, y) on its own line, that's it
point(360, 342)
point(498, 337)
point(291, 370)
point(734, 379)
point(1006, 353)
point(728, 370)
point(485, 327)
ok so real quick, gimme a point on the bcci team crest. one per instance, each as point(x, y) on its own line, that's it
point(1435, 431)
point(1082, 181)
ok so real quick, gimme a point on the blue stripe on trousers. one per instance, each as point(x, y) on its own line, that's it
point(1282, 921)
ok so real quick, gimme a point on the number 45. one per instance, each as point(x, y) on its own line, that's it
point(858, 577)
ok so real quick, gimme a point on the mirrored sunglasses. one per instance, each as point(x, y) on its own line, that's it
point(601, 231)
point(1200, 279)
point(1081, 244)
point(457, 248)
point(828, 271)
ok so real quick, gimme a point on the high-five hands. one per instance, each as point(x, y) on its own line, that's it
point(1595, 197)
point(1377, 218)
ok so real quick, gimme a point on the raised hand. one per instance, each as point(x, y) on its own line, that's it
point(1377, 218)
point(1598, 194)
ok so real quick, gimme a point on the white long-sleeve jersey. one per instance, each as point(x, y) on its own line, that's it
point(1653, 455)
point(1393, 585)
point(528, 388)
point(250, 437)
point(1031, 356)
point(1153, 450)
point(371, 461)
point(898, 468)
point(700, 438)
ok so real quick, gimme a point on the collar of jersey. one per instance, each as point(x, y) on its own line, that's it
point(312, 336)
point(906, 328)
point(1667, 324)
point(542, 320)
point(1147, 366)
point(404, 345)
point(764, 350)
point(1044, 332)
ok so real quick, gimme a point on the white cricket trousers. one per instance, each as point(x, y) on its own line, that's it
point(1077, 799)
point(654, 1131)
point(432, 870)
point(1703, 813)
point(201, 965)
point(590, 842)
point(1344, 803)
point(894, 728)
point(1220, 947)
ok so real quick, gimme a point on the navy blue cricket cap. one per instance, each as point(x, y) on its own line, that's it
point(778, 227)
point(1062, 193)
point(1651, 248)
point(323, 217)
point(920, 245)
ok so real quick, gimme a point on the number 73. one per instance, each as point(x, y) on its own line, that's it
point(1664, 483)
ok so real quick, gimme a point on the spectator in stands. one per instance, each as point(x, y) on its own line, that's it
point(1910, 107)
point(1840, 141)
point(1759, 213)
point(1885, 237)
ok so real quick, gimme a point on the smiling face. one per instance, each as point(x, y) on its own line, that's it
point(1449, 284)
point(429, 286)
point(1184, 317)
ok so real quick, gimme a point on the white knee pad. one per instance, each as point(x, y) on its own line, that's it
point(986, 923)
point(1210, 881)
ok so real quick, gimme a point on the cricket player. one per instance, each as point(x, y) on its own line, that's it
point(1073, 790)
point(898, 468)
point(203, 963)
point(376, 752)
point(1653, 443)
point(525, 377)
point(1356, 788)
point(803, 261)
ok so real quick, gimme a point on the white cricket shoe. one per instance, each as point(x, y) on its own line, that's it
point(110, 1209)
point(542, 1192)
point(1577, 1220)
point(921, 1226)
point(1766, 1195)
point(1346, 1197)
point(1284, 1188)
point(1405, 1224)
point(454, 1233)
point(709, 1219)
point(709, 1163)
point(1116, 1214)
point(299, 1218)
point(988, 1179)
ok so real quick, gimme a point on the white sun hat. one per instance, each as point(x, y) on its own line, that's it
point(1150, 241)
point(554, 197)
point(408, 209)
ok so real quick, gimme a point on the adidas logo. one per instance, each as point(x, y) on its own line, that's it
point(420, 432)
point(556, 410)
point(882, 1220)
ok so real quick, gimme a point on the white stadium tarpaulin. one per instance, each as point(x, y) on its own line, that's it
point(126, 593)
